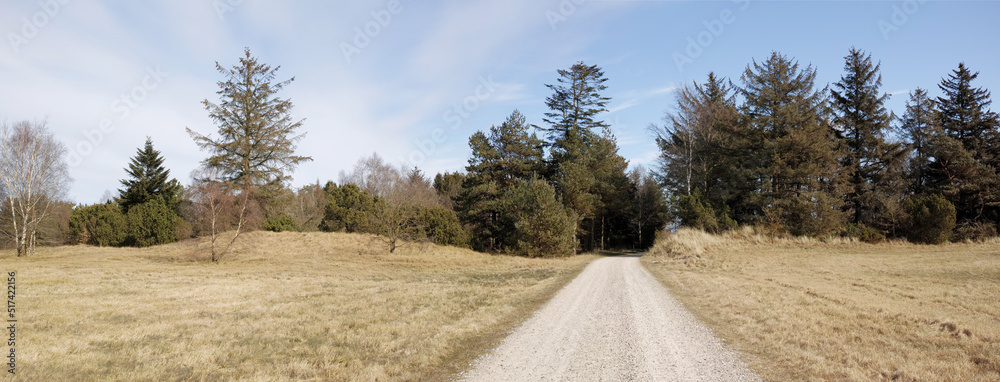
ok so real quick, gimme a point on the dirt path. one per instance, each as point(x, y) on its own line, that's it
point(614, 322)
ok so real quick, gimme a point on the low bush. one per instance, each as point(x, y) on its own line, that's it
point(442, 227)
point(931, 219)
point(973, 232)
point(864, 233)
point(283, 223)
point(104, 225)
point(349, 209)
point(695, 212)
point(150, 223)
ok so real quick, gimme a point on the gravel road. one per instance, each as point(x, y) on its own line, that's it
point(614, 322)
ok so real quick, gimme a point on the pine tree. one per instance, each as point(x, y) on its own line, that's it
point(507, 156)
point(789, 128)
point(965, 149)
point(148, 180)
point(583, 157)
point(541, 225)
point(510, 153)
point(917, 129)
point(574, 105)
point(257, 135)
point(872, 165)
point(963, 114)
point(255, 149)
point(614, 193)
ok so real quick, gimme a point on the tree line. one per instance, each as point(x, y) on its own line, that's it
point(777, 152)
point(774, 151)
point(564, 192)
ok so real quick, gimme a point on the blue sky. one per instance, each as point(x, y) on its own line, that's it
point(428, 74)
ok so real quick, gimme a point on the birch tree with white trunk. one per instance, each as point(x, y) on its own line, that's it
point(35, 177)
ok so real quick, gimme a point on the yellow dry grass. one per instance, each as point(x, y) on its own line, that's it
point(290, 306)
point(801, 309)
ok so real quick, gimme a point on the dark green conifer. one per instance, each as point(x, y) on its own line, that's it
point(508, 155)
point(148, 180)
point(789, 127)
point(872, 165)
point(965, 149)
point(917, 128)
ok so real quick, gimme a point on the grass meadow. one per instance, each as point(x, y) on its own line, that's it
point(288, 306)
point(800, 309)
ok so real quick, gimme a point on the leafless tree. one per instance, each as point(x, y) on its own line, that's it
point(373, 175)
point(35, 177)
point(215, 204)
point(308, 207)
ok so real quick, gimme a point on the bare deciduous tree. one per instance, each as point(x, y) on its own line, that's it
point(35, 177)
point(214, 203)
point(308, 207)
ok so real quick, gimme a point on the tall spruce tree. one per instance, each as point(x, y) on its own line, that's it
point(510, 154)
point(448, 186)
point(583, 158)
point(873, 165)
point(729, 184)
point(964, 114)
point(257, 134)
point(798, 170)
point(917, 127)
point(255, 150)
point(148, 180)
point(574, 105)
point(965, 150)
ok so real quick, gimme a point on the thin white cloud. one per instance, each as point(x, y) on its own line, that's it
point(635, 98)
point(624, 105)
point(662, 90)
point(510, 92)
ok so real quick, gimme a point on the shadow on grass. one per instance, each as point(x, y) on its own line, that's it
point(619, 252)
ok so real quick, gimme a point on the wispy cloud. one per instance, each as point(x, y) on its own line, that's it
point(429, 58)
point(634, 98)
point(624, 105)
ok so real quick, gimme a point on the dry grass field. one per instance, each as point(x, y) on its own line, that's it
point(288, 306)
point(809, 310)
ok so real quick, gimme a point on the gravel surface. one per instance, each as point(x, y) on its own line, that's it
point(614, 322)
